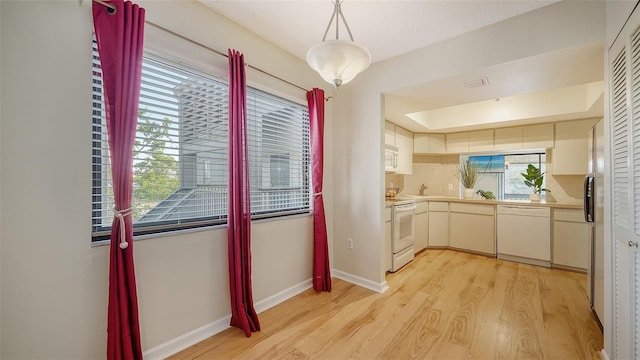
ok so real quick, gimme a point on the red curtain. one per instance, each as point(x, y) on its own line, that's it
point(119, 36)
point(243, 315)
point(321, 271)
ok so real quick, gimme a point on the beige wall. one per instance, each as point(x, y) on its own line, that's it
point(53, 282)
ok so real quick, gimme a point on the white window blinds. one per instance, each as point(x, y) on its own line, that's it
point(180, 155)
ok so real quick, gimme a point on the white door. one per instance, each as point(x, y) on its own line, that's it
point(624, 113)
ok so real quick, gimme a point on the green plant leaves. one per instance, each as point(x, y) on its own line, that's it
point(534, 178)
point(468, 175)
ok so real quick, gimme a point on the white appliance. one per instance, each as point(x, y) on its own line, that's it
point(402, 233)
point(390, 158)
point(524, 234)
point(594, 215)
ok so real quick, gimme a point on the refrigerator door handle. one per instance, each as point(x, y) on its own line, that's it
point(589, 198)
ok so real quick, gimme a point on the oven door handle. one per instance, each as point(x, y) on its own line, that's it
point(405, 208)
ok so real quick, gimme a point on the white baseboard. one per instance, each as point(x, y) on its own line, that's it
point(282, 296)
point(604, 355)
point(182, 342)
point(357, 280)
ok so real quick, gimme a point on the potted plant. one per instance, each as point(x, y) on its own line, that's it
point(533, 178)
point(468, 177)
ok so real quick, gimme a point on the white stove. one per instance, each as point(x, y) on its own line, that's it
point(402, 231)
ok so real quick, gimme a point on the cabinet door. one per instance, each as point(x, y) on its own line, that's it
point(537, 136)
point(422, 231)
point(387, 239)
point(404, 142)
point(387, 246)
point(473, 232)
point(438, 229)
point(389, 133)
point(571, 244)
point(508, 138)
point(571, 152)
point(457, 143)
point(481, 141)
point(421, 143)
point(437, 144)
point(428, 144)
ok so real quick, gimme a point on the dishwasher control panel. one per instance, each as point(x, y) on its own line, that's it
point(541, 211)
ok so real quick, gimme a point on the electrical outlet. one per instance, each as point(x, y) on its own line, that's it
point(349, 243)
point(450, 187)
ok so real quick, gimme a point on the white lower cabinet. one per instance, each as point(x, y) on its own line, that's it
point(473, 227)
point(571, 239)
point(421, 226)
point(438, 224)
point(387, 238)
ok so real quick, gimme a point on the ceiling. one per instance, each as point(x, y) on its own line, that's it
point(388, 27)
point(556, 86)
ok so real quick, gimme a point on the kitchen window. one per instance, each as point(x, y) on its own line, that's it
point(500, 173)
point(180, 153)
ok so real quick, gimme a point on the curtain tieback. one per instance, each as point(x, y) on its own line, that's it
point(123, 234)
point(318, 193)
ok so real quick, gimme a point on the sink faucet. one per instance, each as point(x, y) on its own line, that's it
point(423, 189)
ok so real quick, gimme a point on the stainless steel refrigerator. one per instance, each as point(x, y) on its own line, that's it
point(594, 215)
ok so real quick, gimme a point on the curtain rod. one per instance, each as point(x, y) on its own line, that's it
point(113, 7)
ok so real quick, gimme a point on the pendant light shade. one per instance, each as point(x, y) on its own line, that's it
point(338, 61)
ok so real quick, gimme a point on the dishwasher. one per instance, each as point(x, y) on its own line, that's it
point(524, 234)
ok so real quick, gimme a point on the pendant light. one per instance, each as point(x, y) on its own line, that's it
point(338, 61)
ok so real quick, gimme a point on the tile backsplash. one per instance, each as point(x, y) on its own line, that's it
point(438, 171)
point(435, 171)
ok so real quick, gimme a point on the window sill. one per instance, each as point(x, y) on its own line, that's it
point(200, 229)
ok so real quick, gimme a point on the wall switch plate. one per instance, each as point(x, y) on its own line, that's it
point(450, 187)
point(349, 243)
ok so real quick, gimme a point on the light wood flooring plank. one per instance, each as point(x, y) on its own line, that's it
point(443, 305)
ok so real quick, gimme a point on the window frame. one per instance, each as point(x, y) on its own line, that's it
point(102, 232)
point(501, 180)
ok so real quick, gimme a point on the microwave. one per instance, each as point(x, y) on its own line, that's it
point(390, 158)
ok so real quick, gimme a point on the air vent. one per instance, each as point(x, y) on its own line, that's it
point(476, 83)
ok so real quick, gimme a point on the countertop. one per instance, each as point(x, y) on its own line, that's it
point(420, 198)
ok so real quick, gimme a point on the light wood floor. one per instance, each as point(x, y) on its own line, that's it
point(443, 305)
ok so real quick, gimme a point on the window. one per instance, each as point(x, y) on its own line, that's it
point(180, 153)
point(500, 173)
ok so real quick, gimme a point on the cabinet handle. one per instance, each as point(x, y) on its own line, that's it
point(632, 244)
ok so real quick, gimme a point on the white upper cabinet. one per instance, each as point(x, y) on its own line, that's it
point(402, 139)
point(437, 144)
point(571, 152)
point(481, 141)
point(428, 144)
point(389, 133)
point(458, 143)
point(537, 136)
point(404, 142)
point(508, 138)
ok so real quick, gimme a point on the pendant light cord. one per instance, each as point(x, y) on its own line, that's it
point(337, 13)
